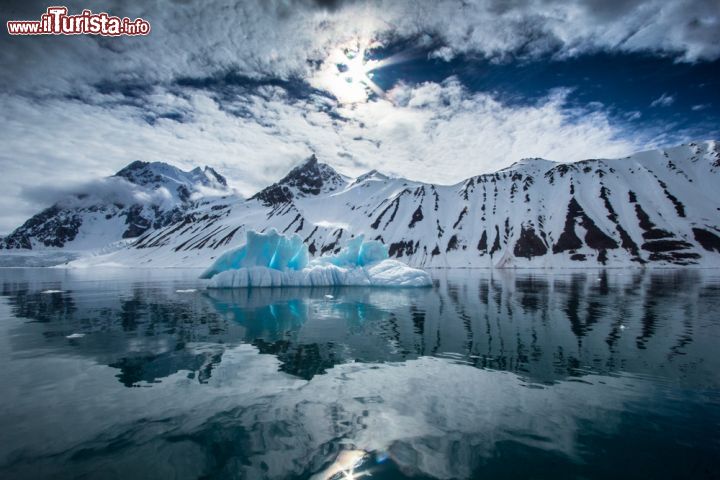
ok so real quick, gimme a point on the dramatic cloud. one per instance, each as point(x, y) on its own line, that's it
point(443, 133)
point(284, 39)
point(432, 132)
point(689, 29)
point(252, 88)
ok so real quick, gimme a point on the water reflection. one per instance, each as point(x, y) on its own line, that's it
point(594, 375)
point(546, 327)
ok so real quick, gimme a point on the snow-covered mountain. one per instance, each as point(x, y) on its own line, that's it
point(659, 207)
point(140, 197)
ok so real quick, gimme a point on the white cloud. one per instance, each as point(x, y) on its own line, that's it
point(444, 53)
point(105, 190)
point(278, 38)
point(687, 28)
point(664, 100)
point(443, 133)
point(433, 132)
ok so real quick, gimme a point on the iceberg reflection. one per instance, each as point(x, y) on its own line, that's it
point(486, 375)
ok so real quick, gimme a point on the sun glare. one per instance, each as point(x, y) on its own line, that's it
point(345, 465)
point(347, 74)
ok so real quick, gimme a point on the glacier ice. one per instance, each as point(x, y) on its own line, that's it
point(272, 259)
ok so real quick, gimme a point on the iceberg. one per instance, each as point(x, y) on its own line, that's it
point(272, 259)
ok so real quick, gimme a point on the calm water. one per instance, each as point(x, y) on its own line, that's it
point(502, 375)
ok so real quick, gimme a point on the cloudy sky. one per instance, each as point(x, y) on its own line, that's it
point(432, 90)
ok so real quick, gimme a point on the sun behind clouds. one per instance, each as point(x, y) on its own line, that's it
point(347, 73)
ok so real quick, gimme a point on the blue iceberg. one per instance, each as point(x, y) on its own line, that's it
point(272, 259)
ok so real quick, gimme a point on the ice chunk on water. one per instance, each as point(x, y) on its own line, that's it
point(291, 253)
point(232, 258)
point(390, 273)
point(358, 253)
point(271, 250)
point(274, 260)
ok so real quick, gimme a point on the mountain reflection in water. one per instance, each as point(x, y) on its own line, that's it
point(560, 370)
point(543, 327)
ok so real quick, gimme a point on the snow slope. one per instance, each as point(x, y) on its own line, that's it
point(655, 208)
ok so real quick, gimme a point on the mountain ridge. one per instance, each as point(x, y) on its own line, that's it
point(657, 207)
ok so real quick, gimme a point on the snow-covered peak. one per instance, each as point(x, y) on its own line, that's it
point(180, 184)
point(535, 163)
point(151, 173)
point(690, 153)
point(371, 175)
point(310, 178)
point(139, 197)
